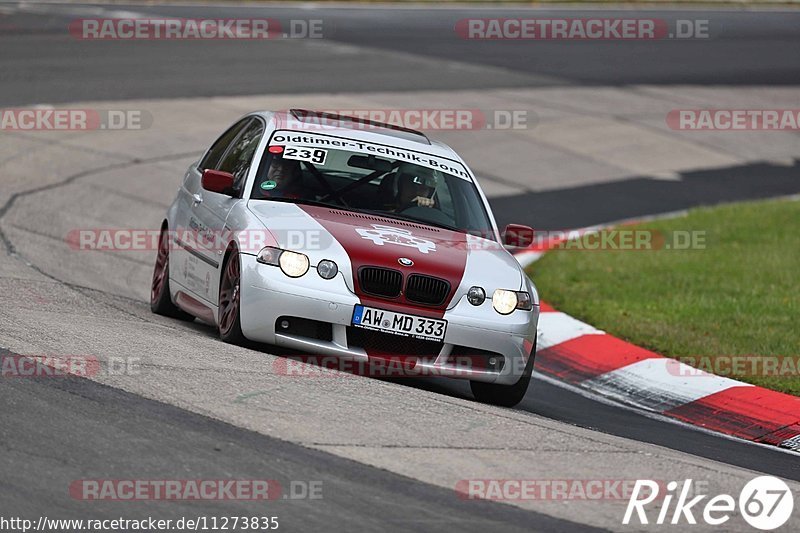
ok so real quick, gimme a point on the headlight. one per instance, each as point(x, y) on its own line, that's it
point(476, 295)
point(293, 264)
point(327, 269)
point(504, 302)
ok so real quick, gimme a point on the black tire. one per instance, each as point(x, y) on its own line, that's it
point(230, 324)
point(505, 395)
point(160, 301)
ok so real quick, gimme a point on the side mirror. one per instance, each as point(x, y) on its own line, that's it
point(217, 181)
point(518, 235)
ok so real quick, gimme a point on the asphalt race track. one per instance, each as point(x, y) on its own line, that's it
point(388, 454)
point(746, 48)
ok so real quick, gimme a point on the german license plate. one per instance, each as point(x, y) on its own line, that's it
point(418, 327)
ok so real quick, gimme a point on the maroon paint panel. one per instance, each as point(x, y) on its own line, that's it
point(447, 261)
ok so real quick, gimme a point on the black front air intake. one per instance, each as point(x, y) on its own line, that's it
point(426, 290)
point(383, 282)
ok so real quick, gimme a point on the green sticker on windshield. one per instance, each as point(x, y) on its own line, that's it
point(269, 185)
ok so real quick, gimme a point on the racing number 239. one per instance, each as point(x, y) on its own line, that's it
point(305, 154)
point(429, 327)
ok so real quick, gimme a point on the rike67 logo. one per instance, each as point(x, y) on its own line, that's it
point(766, 503)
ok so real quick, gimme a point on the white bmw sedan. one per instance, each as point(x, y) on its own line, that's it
point(350, 239)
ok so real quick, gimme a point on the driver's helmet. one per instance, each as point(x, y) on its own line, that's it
point(421, 180)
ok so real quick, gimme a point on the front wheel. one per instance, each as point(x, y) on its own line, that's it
point(230, 325)
point(505, 395)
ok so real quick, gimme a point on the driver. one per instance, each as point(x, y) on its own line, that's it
point(284, 179)
point(415, 185)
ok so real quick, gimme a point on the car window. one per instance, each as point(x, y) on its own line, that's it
point(384, 185)
point(217, 150)
point(237, 159)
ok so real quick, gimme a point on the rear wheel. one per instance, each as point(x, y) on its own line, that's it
point(230, 325)
point(505, 395)
point(160, 301)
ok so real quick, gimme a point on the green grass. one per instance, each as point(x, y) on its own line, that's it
point(738, 296)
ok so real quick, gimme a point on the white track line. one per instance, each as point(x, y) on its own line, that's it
point(589, 395)
point(557, 327)
point(659, 384)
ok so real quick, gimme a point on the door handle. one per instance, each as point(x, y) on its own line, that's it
point(198, 199)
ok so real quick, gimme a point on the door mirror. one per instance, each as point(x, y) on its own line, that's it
point(518, 236)
point(217, 181)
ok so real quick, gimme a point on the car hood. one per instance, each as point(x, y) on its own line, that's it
point(356, 240)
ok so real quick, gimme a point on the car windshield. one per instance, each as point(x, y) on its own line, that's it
point(363, 182)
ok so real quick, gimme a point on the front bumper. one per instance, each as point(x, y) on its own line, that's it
point(267, 295)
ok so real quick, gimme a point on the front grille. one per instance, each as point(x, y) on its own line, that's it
point(379, 343)
point(380, 281)
point(426, 289)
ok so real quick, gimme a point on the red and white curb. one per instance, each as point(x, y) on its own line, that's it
point(581, 355)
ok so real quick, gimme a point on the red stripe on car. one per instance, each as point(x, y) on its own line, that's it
point(381, 242)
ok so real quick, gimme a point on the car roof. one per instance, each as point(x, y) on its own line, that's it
point(305, 121)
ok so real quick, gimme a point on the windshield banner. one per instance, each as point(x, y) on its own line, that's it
point(309, 139)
